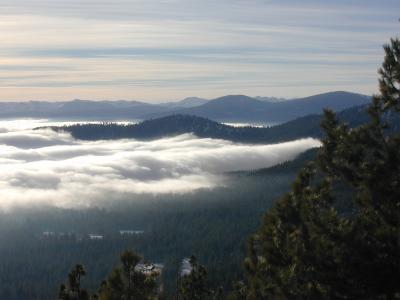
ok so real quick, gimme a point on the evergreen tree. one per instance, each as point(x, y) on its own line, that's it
point(73, 291)
point(306, 248)
point(125, 282)
point(368, 158)
point(195, 286)
point(128, 283)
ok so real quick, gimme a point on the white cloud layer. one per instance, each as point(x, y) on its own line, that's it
point(43, 167)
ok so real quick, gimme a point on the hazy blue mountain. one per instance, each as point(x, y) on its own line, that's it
point(240, 108)
point(337, 101)
point(308, 126)
point(228, 108)
point(79, 109)
point(91, 110)
point(103, 110)
point(75, 109)
point(26, 109)
point(234, 108)
point(186, 103)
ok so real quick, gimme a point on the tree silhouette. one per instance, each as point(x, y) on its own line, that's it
point(73, 290)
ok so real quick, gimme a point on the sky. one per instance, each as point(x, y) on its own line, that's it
point(163, 50)
point(42, 167)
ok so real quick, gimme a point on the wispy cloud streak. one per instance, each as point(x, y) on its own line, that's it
point(117, 49)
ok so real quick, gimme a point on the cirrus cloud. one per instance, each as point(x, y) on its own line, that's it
point(162, 50)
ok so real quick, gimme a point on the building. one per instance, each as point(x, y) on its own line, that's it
point(96, 236)
point(155, 270)
point(48, 234)
point(131, 232)
point(149, 269)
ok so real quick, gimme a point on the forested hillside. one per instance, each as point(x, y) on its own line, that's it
point(304, 127)
point(212, 224)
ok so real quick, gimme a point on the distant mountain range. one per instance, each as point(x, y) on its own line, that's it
point(235, 108)
point(173, 125)
point(79, 109)
point(239, 108)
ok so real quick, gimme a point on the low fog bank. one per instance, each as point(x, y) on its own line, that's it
point(42, 167)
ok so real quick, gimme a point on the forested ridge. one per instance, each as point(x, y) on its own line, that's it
point(173, 125)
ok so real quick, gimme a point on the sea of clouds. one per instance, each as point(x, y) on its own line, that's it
point(44, 167)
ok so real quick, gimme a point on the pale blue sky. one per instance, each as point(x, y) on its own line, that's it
point(170, 49)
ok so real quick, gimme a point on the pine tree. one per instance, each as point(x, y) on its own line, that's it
point(306, 248)
point(73, 290)
point(195, 286)
point(126, 282)
point(368, 158)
